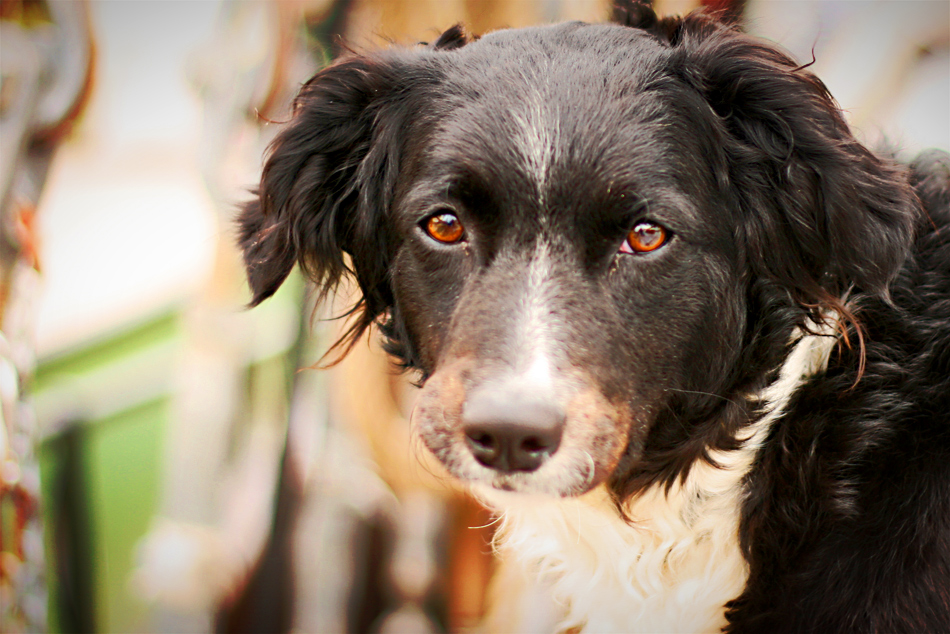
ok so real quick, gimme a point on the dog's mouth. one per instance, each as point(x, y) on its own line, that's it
point(507, 437)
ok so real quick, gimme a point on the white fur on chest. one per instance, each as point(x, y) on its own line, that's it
point(676, 565)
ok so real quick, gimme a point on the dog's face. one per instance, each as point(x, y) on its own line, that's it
point(593, 242)
point(557, 275)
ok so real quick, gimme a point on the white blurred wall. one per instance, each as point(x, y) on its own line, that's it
point(128, 228)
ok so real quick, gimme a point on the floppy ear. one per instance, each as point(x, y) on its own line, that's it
point(639, 14)
point(820, 212)
point(329, 180)
point(327, 184)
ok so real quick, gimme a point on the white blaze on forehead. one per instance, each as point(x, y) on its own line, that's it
point(536, 322)
point(537, 144)
point(539, 372)
point(538, 136)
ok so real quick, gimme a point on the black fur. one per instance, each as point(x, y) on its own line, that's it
point(778, 216)
point(847, 523)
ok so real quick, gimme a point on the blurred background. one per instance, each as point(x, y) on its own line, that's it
point(171, 462)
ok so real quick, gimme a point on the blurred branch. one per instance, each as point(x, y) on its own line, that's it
point(46, 61)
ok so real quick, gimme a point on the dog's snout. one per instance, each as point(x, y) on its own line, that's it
point(511, 431)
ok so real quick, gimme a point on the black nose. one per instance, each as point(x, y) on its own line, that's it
point(508, 430)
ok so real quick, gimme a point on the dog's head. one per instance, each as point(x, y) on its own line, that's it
point(592, 241)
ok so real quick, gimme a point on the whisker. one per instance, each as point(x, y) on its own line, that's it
point(591, 469)
point(719, 396)
point(491, 523)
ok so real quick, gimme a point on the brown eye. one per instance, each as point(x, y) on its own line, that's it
point(643, 238)
point(445, 228)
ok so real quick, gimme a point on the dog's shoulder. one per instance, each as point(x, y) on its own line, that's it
point(849, 496)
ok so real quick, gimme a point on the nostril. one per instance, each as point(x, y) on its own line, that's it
point(535, 445)
point(484, 446)
point(483, 440)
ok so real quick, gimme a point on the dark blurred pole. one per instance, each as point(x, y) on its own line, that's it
point(72, 531)
point(265, 604)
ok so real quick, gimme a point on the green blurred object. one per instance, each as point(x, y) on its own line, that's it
point(124, 461)
point(101, 470)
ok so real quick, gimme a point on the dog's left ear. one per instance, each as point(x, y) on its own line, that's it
point(820, 212)
point(327, 186)
point(329, 181)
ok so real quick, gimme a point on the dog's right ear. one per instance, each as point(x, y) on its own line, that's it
point(327, 182)
point(638, 14)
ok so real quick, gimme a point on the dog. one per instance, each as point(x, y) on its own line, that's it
point(684, 333)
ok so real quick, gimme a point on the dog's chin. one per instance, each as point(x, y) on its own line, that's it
point(506, 491)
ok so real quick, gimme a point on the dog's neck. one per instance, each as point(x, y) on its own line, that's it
point(675, 565)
